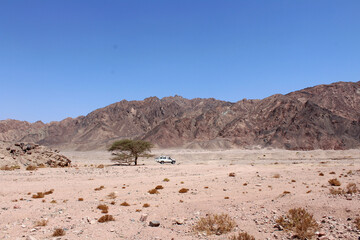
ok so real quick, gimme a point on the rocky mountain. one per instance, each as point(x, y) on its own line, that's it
point(320, 117)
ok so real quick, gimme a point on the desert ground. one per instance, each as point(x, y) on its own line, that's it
point(264, 186)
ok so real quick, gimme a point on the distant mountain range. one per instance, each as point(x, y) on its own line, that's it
point(320, 117)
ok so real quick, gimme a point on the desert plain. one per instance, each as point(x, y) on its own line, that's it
point(254, 187)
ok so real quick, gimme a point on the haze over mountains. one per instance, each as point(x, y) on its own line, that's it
point(320, 117)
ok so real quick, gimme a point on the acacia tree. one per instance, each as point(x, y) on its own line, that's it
point(128, 149)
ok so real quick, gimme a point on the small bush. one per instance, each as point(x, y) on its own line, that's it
point(159, 187)
point(215, 224)
point(103, 208)
point(299, 221)
point(334, 191)
point(51, 191)
point(332, 173)
point(31, 168)
point(242, 236)
point(232, 174)
point(183, 190)
point(276, 175)
point(125, 204)
point(58, 232)
point(100, 166)
point(166, 180)
point(106, 218)
point(153, 191)
point(357, 223)
point(112, 195)
point(53, 201)
point(321, 174)
point(351, 188)
point(38, 195)
point(146, 205)
point(334, 182)
point(113, 203)
point(99, 188)
point(226, 197)
point(80, 199)
point(41, 223)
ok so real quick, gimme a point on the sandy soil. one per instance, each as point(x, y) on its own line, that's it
point(254, 205)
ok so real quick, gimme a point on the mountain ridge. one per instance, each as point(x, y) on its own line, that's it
point(319, 117)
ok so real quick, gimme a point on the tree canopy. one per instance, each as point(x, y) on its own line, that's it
point(128, 150)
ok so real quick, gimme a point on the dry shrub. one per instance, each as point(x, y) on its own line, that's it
point(321, 174)
point(334, 182)
point(100, 166)
point(41, 223)
point(138, 210)
point(166, 180)
point(31, 168)
point(125, 204)
point(181, 182)
point(183, 190)
point(159, 187)
point(58, 232)
point(245, 184)
point(232, 174)
point(103, 208)
point(215, 224)
point(299, 221)
point(226, 197)
point(53, 201)
point(99, 188)
point(293, 180)
point(332, 173)
point(112, 195)
point(106, 218)
point(146, 205)
point(335, 191)
point(206, 187)
point(11, 168)
point(357, 223)
point(351, 188)
point(242, 236)
point(153, 191)
point(276, 175)
point(38, 195)
point(80, 199)
point(51, 191)
point(113, 203)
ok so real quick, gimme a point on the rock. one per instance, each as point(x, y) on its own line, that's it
point(178, 221)
point(154, 223)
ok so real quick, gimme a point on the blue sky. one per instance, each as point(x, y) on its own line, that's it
point(65, 58)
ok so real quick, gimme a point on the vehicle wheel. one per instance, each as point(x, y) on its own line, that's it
point(162, 162)
point(173, 162)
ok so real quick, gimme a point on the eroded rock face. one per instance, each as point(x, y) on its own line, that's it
point(321, 117)
point(26, 154)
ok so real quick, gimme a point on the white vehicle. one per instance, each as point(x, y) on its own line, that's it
point(165, 159)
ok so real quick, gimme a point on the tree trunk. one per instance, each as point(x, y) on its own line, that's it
point(136, 157)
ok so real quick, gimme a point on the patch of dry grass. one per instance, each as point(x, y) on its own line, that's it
point(58, 232)
point(232, 174)
point(38, 195)
point(153, 191)
point(215, 224)
point(166, 180)
point(299, 221)
point(334, 182)
point(112, 195)
point(80, 199)
point(242, 236)
point(183, 190)
point(9, 168)
point(31, 168)
point(103, 208)
point(124, 204)
point(99, 188)
point(276, 175)
point(146, 205)
point(158, 187)
point(41, 223)
point(106, 218)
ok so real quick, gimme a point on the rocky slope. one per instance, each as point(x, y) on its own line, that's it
point(320, 117)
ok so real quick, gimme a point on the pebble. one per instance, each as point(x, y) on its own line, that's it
point(154, 223)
